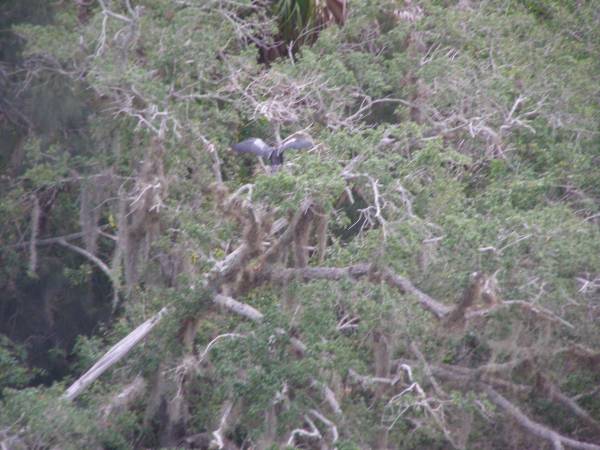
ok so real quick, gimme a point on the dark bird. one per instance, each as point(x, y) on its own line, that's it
point(274, 155)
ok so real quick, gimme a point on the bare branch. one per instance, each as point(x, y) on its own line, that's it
point(463, 376)
point(329, 396)
point(54, 240)
point(239, 308)
point(367, 381)
point(89, 256)
point(355, 272)
point(114, 355)
point(219, 433)
point(554, 392)
point(312, 433)
point(538, 310)
point(215, 340)
point(334, 431)
point(535, 428)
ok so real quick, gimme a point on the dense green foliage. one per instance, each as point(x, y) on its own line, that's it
point(456, 177)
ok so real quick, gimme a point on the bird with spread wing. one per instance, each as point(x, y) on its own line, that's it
point(274, 155)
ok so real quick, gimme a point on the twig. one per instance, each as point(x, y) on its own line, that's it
point(54, 240)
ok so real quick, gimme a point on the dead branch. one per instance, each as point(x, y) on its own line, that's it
point(312, 433)
point(355, 272)
point(11, 442)
point(538, 310)
point(367, 381)
point(463, 376)
point(210, 345)
point(555, 394)
point(405, 286)
point(332, 427)
point(306, 274)
point(219, 433)
point(239, 308)
point(114, 355)
point(535, 428)
point(466, 377)
point(232, 262)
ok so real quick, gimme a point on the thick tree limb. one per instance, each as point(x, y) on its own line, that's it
point(332, 427)
point(527, 306)
point(328, 395)
point(119, 350)
point(533, 427)
point(554, 392)
point(313, 433)
point(404, 285)
point(239, 308)
point(463, 376)
point(114, 355)
point(232, 262)
point(367, 381)
point(355, 272)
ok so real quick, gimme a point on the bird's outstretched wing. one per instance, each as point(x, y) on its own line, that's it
point(298, 141)
point(253, 145)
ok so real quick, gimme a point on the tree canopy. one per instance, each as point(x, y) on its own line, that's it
point(427, 275)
